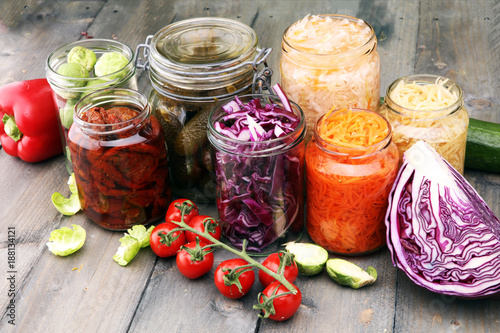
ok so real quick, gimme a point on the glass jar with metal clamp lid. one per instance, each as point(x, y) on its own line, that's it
point(192, 65)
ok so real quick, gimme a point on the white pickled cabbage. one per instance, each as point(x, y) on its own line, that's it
point(429, 116)
point(326, 64)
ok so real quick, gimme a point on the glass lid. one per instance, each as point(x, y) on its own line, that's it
point(205, 41)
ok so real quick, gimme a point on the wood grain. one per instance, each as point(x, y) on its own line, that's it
point(89, 292)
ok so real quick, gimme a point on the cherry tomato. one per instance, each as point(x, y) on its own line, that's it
point(199, 222)
point(273, 262)
point(194, 262)
point(174, 211)
point(284, 306)
point(164, 245)
point(244, 276)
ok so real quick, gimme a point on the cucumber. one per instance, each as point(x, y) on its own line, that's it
point(483, 146)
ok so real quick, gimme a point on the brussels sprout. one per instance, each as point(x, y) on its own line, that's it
point(72, 69)
point(109, 63)
point(94, 85)
point(83, 56)
point(348, 274)
point(66, 113)
point(65, 241)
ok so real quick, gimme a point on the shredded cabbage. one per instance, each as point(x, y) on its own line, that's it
point(428, 111)
point(440, 232)
point(330, 62)
point(259, 163)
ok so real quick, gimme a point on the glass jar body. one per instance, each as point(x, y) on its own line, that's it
point(319, 79)
point(444, 128)
point(347, 193)
point(184, 123)
point(68, 91)
point(121, 170)
point(259, 184)
point(193, 65)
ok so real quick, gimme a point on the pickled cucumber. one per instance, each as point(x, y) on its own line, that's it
point(193, 135)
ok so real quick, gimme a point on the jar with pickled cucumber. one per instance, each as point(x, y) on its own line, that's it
point(193, 64)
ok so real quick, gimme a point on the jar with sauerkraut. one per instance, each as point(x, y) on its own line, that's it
point(330, 61)
point(429, 108)
point(193, 64)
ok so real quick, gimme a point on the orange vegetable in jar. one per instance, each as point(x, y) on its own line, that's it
point(351, 164)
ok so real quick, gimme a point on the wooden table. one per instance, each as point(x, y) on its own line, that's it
point(89, 292)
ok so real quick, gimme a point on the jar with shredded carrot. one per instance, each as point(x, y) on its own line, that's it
point(330, 60)
point(351, 164)
point(429, 108)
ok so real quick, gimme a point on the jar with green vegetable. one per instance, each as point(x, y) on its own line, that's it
point(192, 65)
point(77, 69)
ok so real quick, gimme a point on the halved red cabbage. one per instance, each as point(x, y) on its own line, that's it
point(260, 177)
point(440, 232)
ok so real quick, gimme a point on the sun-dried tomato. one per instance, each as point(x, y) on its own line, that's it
point(122, 171)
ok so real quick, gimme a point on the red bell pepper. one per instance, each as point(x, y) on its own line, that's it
point(29, 128)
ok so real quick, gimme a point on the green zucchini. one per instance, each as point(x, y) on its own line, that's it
point(483, 146)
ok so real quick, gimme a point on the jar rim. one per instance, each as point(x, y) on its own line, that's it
point(275, 146)
point(367, 45)
point(93, 44)
point(424, 79)
point(353, 152)
point(107, 97)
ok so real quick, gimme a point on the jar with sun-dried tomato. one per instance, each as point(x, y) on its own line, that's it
point(119, 159)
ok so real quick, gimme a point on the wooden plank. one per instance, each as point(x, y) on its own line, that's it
point(98, 296)
point(150, 294)
point(30, 30)
point(455, 40)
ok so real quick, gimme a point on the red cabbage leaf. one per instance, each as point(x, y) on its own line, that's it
point(440, 232)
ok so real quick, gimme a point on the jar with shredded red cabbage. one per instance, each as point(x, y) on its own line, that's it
point(330, 61)
point(119, 159)
point(258, 153)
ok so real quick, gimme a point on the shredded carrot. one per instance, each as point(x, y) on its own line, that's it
point(346, 196)
point(351, 129)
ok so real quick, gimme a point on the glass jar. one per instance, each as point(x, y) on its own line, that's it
point(193, 64)
point(120, 165)
point(348, 190)
point(330, 62)
point(259, 183)
point(67, 91)
point(444, 127)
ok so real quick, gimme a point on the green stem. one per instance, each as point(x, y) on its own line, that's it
point(241, 254)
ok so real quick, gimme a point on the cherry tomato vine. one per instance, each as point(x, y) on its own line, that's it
point(266, 299)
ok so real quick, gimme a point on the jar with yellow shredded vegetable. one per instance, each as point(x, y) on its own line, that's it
point(330, 61)
point(429, 108)
point(351, 165)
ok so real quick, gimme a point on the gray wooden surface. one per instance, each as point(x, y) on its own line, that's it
point(458, 39)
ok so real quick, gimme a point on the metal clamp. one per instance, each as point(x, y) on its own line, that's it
point(145, 54)
point(262, 80)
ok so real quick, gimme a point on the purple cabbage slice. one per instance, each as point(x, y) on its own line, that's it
point(440, 232)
